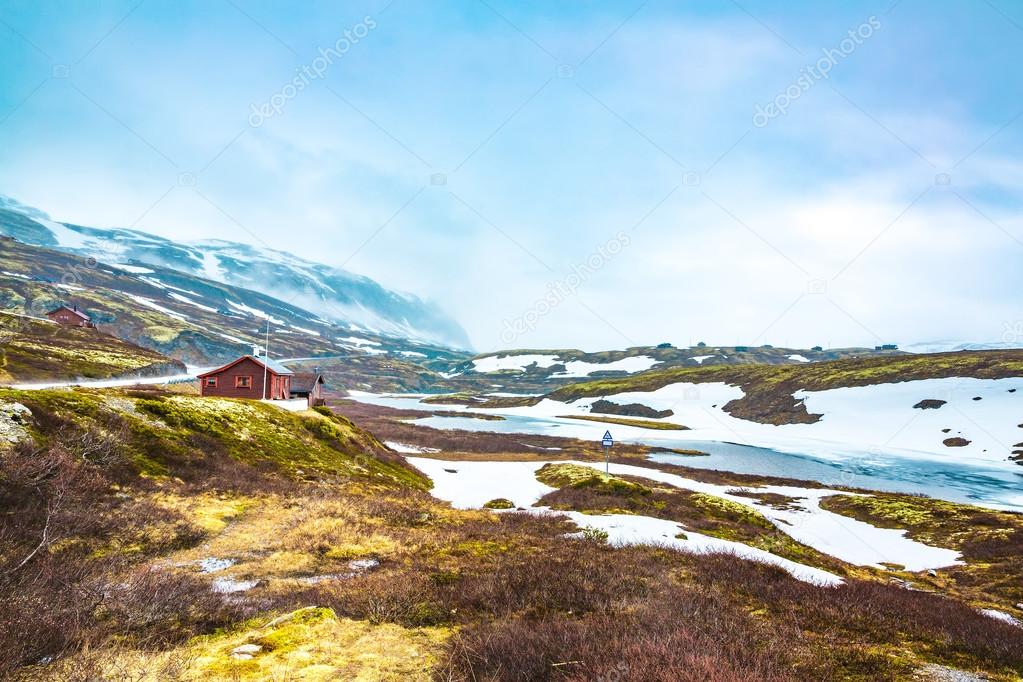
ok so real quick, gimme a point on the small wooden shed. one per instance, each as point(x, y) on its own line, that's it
point(243, 378)
point(69, 316)
point(308, 386)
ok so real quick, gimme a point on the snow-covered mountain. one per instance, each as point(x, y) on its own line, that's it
point(337, 295)
point(955, 346)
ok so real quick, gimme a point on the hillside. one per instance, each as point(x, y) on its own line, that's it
point(348, 300)
point(533, 371)
point(202, 322)
point(33, 349)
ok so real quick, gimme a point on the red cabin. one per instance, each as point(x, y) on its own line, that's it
point(243, 378)
point(69, 317)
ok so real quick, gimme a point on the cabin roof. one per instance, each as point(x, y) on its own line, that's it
point(271, 365)
point(305, 382)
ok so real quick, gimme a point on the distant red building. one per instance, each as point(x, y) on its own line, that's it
point(243, 378)
point(69, 316)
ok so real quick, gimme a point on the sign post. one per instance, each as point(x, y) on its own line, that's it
point(606, 442)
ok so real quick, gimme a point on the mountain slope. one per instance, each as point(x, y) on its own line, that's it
point(200, 321)
point(32, 349)
point(351, 300)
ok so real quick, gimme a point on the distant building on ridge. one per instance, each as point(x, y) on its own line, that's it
point(70, 316)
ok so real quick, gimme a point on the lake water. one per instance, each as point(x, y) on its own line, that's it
point(954, 481)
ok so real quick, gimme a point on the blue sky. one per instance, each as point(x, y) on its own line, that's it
point(573, 175)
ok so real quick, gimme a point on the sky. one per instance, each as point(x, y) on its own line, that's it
point(557, 175)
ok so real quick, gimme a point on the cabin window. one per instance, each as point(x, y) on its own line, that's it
point(211, 381)
point(243, 382)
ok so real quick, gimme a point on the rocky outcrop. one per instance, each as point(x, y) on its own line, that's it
point(929, 404)
point(14, 418)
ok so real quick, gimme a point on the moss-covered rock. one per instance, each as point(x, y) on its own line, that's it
point(561, 475)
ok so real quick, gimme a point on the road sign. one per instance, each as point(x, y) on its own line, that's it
point(607, 441)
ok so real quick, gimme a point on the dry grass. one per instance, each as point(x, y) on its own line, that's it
point(458, 595)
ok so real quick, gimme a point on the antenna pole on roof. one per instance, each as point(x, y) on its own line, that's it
point(266, 356)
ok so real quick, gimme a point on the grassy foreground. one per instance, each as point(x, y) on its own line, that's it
point(152, 536)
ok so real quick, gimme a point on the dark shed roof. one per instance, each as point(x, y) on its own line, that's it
point(304, 382)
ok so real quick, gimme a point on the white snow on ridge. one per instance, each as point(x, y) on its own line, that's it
point(185, 299)
point(1002, 616)
point(359, 342)
point(493, 363)
point(581, 368)
point(255, 312)
point(407, 449)
point(134, 269)
point(573, 368)
point(798, 358)
point(700, 358)
point(149, 303)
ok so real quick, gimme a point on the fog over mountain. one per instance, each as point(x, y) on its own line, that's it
point(335, 294)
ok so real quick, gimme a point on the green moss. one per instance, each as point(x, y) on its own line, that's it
point(564, 474)
point(727, 509)
point(499, 503)
point(166, 431)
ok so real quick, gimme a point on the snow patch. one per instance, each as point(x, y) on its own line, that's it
point(149, 303)
point(134, 269)
point(185, 299)
point(581, 368)
point(255, 312)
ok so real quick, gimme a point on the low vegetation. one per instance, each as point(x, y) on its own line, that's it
point(990, 541)
point(587, 490)
point(151, 536)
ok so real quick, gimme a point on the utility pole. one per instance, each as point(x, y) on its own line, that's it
point(266, 356)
